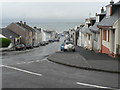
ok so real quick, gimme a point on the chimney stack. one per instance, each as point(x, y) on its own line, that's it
point(111, 2)
point(96, 14)
point(35, 27)
point(21, 23)
point(102, 10)
point(24, 23)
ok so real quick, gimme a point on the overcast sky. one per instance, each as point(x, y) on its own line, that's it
point(51, 11)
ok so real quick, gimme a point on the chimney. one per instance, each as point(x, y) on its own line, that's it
point(96, 14)
point(21, 23)
point(102, 10)
point(35, 27)
point(111, 2)
point(24, 23)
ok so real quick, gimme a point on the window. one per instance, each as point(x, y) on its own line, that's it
point(88, 37)
point(104, 34)
point(108, 35)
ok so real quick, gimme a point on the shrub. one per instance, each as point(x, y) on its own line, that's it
point(4, 42)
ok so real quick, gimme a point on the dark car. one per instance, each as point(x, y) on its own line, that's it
point(50, 40)
point(43, 43)
point(57, 40)
point(20, 47)
point(29, 46)
point(46, 42)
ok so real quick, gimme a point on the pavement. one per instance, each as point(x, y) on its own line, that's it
point(4, 49)
point(86, 59)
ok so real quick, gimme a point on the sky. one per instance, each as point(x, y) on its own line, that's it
point(52, 11)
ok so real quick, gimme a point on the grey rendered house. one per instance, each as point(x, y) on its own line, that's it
point(110, 30)
point(86, 34)
point(96, 32)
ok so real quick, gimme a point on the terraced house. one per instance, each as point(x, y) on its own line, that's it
point(110, 30)
point(26, 32)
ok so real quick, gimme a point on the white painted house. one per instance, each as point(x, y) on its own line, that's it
point(110, 30)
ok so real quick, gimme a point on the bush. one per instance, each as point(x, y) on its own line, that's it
point(4, 42)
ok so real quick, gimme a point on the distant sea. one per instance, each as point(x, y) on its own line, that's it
point(57, 26)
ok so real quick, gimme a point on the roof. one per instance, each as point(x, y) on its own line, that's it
point(109, 21)
point(27, 27)
point(7, 33)
point(94, 28)
point(118, 3)
point(86, 30)
point(1, 36)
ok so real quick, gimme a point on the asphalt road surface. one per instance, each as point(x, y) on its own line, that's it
point(31, 69)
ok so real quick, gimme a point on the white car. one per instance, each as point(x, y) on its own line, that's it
point(69, 46)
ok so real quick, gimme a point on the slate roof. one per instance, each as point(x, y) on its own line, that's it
point(94, 28)
point(86, 30)
point(27, 27)
point(110, 20)
point(7, 33)
point(118, 3)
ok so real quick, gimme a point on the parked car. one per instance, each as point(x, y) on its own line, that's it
point(62, 47)
point(46, 42)
point(50, 40)
point(68, 46)
point(29, 46)
point(20, 47)
point(56, 40)
point(42, 43)
point(36, 45)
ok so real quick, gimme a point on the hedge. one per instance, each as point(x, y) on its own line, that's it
point(4, 42)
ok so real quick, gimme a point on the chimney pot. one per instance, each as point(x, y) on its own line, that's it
point(96, 14)
point(24, 23)
point(102, 10)
point(111, 2)
point(20, 22)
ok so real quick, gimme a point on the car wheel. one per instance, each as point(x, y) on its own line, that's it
point(73, 50)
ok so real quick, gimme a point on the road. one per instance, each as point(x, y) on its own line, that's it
point(31, 69)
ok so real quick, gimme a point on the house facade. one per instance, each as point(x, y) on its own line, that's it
point(38, 35)
point(85, 35)
point(25, 32)
point(96, 32)
point(110, 30)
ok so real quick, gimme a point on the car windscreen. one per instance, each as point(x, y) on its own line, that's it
point(69, 42)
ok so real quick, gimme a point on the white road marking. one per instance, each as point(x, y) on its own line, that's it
point(1, 65)
point(18, 69)
point(18, 63)
point(96, 86)
point(37, 60)
point(30, 62)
